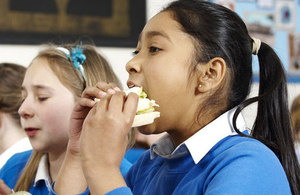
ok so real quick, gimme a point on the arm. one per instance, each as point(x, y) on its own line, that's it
point(70, 179)
point(104, 140)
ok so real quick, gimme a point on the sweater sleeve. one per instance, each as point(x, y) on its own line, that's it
point(120, 191)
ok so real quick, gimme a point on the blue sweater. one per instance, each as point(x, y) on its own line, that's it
point(235, 165)
point(12, 170)
point(133, 154)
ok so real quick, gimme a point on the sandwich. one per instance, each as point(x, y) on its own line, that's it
point(145, 113)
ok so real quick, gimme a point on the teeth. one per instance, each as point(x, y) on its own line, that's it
point(131, 86)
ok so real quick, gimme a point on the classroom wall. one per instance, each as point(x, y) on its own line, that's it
point(23, 54)
point(118, 57)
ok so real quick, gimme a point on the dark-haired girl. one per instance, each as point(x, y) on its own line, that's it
point(194, 59)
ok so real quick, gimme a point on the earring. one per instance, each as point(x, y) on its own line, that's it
point(200, 86)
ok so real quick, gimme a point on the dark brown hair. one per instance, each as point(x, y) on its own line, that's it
point(220, 32)
point(10, 89)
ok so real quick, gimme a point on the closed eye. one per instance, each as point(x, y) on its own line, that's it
point(41, 99)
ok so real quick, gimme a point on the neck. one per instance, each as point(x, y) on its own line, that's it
point(10, 133)
point(181, 134)
point(179, 137)
point(55, 162)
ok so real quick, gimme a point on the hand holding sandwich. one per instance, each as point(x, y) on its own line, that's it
point(104, 139)
point(82, 108)
point(99, 133)
point(72, 166)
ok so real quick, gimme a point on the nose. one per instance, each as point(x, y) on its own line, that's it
point(134, 65)
point(26, 110)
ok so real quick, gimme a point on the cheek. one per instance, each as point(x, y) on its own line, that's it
point(166, 87)
point(57, 118)
point(166, 72)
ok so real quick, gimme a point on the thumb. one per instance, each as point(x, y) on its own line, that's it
point(131, 105)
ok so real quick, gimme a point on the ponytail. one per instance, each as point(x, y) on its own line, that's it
point(272, 125)
point(27, 178)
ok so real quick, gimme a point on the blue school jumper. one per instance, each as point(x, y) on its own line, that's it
point(236, 165)
point(12, 170)
point(214, 161)
point(133, 154)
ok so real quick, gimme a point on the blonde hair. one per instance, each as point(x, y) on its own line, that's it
point(10, 89)
point(96, 69)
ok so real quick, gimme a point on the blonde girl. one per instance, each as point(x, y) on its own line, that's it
point(52, 85)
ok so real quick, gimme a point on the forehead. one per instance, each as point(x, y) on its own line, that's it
point(39, 73)
point(164, 24)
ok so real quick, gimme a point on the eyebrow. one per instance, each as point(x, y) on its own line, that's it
point(151, 34)
point(38, 87)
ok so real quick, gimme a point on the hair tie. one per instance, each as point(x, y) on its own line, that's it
point(77, 58)
point(255, 45)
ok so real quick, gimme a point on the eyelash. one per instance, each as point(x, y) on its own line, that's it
point(41, 99)
point(135, 52)
point(152, 49)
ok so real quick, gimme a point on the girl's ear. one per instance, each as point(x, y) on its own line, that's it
point(211, 74)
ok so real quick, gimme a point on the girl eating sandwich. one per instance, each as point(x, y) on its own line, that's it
point(194, 59)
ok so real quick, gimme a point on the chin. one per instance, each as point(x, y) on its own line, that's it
point(37, 146)
point(150, 129)
point(147, 129)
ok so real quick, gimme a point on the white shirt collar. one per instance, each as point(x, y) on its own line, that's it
point(201, 142)
point(43, 172)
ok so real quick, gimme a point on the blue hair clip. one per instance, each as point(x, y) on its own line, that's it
point(78, 58)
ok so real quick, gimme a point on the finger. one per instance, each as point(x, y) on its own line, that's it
point(4, 189)
point(130, 105)
point(104, 86)
point(116, 103)
point(102, 106)
point(110, 88)
point(93, 92)
point(83, 103)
